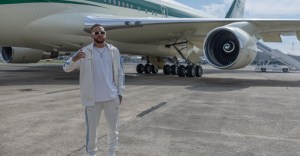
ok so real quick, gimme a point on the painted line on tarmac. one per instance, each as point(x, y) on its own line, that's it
point(151, 109)
point(66, 90)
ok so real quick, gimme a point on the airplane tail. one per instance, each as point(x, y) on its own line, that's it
point(237, 9)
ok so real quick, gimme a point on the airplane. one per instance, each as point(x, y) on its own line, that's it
point(160, 30)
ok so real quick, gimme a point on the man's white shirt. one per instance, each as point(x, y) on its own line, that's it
point(105, 88)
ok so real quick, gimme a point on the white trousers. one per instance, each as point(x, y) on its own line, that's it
point(92, 115)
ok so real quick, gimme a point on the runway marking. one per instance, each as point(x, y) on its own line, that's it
point(151, 109)
point(66, 90)
point(26, 90)
point(228, 134)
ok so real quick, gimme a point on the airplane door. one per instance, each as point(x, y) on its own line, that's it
point(164, 11)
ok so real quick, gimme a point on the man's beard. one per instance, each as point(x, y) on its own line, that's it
point(97, 41)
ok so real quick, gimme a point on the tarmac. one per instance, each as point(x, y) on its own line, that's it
point(224, 113)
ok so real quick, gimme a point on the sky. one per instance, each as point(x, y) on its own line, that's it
point(283, 9)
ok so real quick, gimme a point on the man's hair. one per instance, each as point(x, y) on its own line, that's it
point(95, 25)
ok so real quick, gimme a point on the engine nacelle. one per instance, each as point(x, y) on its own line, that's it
point(21, 55)
point(231, 46)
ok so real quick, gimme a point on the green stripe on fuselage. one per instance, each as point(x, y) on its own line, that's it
point(3, 2)
point(141, 5)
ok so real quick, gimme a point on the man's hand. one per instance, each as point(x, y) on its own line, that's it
point(79, 56)
point(120, 98)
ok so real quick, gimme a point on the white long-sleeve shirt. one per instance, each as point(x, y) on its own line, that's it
point(105, 88)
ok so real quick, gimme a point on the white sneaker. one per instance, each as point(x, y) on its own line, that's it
point(111, 153)
point(92, 153)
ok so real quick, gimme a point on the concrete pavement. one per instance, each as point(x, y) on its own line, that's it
point(224, 113)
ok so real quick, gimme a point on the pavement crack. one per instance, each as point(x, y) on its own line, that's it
point(75, 151)
point(84, 146)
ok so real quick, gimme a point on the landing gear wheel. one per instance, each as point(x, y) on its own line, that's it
point(285, 70)
point(191, 71)
point(148, 69)
point(140, 68)
point(199, 71)
point(263, 69)
point(167, 69)
point(154, 70)
point(181, 71)
point(174, 70)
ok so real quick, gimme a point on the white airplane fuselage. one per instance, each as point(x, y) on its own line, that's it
point(55, 26)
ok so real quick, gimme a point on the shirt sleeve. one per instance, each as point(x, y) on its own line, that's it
point(121, 74)
point(70, 65)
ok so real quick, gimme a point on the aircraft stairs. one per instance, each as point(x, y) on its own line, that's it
point(279, 55)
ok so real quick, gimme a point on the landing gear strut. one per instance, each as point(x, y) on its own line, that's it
point(191, 70)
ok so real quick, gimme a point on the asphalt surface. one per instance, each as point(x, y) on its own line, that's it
point(223, 113)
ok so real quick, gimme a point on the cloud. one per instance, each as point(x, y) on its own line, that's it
point(272, 9)
point(257, 8)
point(217, 10)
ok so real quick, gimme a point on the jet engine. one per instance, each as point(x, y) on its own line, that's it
point(24, 55)
point(232, 46)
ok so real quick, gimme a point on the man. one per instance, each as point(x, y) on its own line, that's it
point(101, 87)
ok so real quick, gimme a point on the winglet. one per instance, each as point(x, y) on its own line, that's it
point(237, 9)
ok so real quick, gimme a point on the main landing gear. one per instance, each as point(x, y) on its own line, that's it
point(175, 69)
point(190, 70)
point(147, 68)
point(182, 70)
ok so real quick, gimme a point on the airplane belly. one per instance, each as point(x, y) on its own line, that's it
point(143, 49)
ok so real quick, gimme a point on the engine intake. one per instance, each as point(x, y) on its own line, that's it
point(229, 48)
point(24, 55)
point(222, 48)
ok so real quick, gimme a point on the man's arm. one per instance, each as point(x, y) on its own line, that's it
point(73, 62)
point(121, 74)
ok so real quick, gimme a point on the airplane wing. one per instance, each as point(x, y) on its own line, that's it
point(226, 43)
point(155, 30)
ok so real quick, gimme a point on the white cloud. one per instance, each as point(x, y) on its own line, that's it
point(272, 9)
point(257, 8)
point(217, 10)
point(228, 2)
